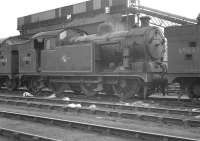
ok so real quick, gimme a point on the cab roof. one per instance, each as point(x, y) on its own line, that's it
point(52, 33)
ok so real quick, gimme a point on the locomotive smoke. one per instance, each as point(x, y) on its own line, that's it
point(112, 24)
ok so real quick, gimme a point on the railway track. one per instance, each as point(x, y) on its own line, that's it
point(130, 112)
point(108, 130)
point(112, 105)
point(22, 136)
point(163, 101)
point(169, 101)
point(39, 128)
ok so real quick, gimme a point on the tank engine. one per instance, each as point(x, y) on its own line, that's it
point(121, 62)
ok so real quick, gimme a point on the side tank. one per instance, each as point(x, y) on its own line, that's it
point(142, 40)
point(128, 48)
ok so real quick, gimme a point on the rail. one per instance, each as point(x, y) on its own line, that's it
point(122, 132)
point(18, 136)
point(165, 119)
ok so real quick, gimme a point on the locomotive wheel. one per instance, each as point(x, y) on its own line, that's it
point(75, 88)
point(143, 93)
point(108, 89)
point(88, 89)
point(126, 88)
point(59, 88)
point(34, 86)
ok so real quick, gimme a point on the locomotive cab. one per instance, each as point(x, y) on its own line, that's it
point(38, 46)
point(9, 62)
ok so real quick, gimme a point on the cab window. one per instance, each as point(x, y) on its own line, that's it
point(66, 37)
point(50, 44)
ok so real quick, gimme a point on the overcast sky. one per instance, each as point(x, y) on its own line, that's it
point(11, 9)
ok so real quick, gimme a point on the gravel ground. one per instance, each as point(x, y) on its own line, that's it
point(115, 122)
point(56, 132)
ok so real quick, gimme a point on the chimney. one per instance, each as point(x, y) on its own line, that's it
point(145, 21)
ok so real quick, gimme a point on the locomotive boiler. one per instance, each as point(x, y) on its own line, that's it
point(120, 62)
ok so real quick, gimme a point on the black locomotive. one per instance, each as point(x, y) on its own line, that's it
point(112, 61)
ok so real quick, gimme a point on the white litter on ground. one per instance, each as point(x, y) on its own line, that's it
point(68, 91)
point(137, 103)
point(72, 105)
point(99, 117)
point(92, 106)
point(51, 96)
point(27, 94)
point(197, 116)
point(22, 88)
point(196, 110)
point(101, 93)
point(66, 99)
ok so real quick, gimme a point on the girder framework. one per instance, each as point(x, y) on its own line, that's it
point(161, 22)
point(159, 18)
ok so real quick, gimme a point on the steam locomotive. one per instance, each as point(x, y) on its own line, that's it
point(125, 63)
